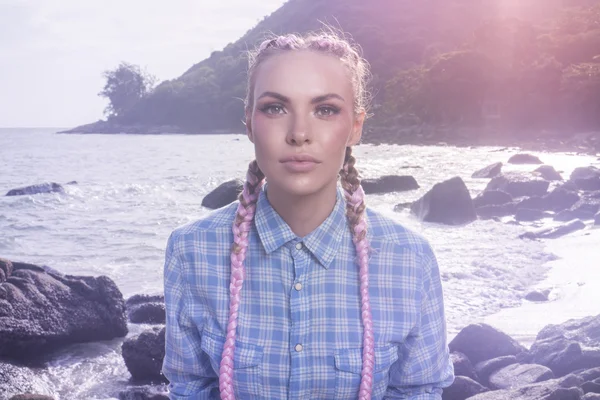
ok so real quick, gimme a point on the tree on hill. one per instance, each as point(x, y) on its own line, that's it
point(125, 86)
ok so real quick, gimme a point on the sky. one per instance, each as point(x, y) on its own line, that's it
point(53, 52)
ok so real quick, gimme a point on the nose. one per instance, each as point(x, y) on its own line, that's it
point(298, 131)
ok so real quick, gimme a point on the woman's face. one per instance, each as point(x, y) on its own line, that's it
point(302, 120)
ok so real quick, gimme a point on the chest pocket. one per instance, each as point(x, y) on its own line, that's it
point(348, 365)
point(247, 360)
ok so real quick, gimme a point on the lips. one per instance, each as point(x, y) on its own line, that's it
point(300, 163)
point(300, 158)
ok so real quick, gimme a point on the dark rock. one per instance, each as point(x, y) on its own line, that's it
point(31, 397)
point(223, 195)
point(588, 374)
point(492, 197)
point(591, 396)
point(532, 203)
point(547, 390)
point(517, 375)
point(589, 184)
point(402, 206)
point(570, 346)
point(495, 211)
point(389, 184)
point(146, 309)
point(16, 380)
point(565, 216)
point(73, 183)
point(526, 214)
point(538, 296)
point(486, 368)
point(488, 172)
point(569, 186)
point(597, 219)
point(524, 159)
point(145, 393)
point(591, 387)
point(143, 355)
point(462, 388)
point(556, 232)
point(49, 187)
point(41, 311)
point(519, 185)
point(548, 173)
point(481, 342)
point(586, 178)
point(586, 208)
point(462, 365)
point(560, 199)
point(448, 202)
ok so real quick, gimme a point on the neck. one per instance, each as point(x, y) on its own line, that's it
point(303, 214)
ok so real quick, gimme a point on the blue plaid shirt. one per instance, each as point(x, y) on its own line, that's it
point(299, 333)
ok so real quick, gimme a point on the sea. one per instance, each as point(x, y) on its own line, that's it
point(133, 190)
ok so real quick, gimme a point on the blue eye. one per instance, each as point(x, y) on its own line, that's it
point(327, 111)
point(273, 109)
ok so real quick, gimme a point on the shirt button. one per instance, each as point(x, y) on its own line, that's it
point(299, 246)
point(298, 347)
point(298, 286)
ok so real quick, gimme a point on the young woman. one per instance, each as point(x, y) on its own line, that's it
point(298, 291)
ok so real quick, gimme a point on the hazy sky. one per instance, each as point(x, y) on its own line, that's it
point(53, 52)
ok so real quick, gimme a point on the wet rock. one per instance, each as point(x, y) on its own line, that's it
point(517, 375)
point(590, 387)
point(31, 397)
point(548, 173)
point(448, 202)
point(462, 365)
point(532, 203)
point(17, 380)
point(586, 178)
point(223, 195)
point(481, 342)
point(146, 309)
point(41, 311)
point(538, 296)
point(524, 159)
point(496, 211)
point(553, 389)
point(402, 206)
point(492, 197)
point(560, 199)
point(143, 355)
point(591, 396)
point(588, 374)
point(486, 368)
point(555, 232)
point(586, 208)
point(463, 388)
point(389, 184)
point(526, 214)
point(565, 216)
point(145, 393)
point(570, 346)
point(50, 187)
point(488, 172)
point(519, 185)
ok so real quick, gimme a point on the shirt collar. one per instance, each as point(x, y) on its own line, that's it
point(323, 242)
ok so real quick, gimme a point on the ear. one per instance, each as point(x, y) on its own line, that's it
point(357, 129)
point(248, 124)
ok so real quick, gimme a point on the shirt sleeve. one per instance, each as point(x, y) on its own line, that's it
point(424, 367)
point(185, 365)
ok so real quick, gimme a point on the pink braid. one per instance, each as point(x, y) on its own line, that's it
point(355, 210)
point(241, 228)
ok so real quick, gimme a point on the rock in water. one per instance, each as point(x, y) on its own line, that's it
point(462, 365)
point(519, 375)
point(463, 388)
point(41, 311)
point(143, 355)
point(524, 159)
point(519, 185)
point(492, 197)
point(586, 178)
point(15, 380)
point(548, 173)
point(224, 194)
point(448, 202)
point(555, 389)
point(481, 342)
point(389, 184)
point(145, 309)
point(50, 187)
point(488, 172)
point(569, 346)
point(597, 219)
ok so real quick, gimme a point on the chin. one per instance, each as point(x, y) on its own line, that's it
point(299, 185)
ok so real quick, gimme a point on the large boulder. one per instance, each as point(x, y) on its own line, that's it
point(389, 184)
point(147, 392)
point(560, 199)
point(554, 389)
point(41, 310)
point(448, 202)
point(485, 369)
point(146, 309)
point(463, 388)
point(524, 159)
point(481, 342)
point(16, 380)
point(491, 197)
point(586, 178)
point(519, 185)
point(224, 194)
point(528, 214)
point(569, 346)
point(586, 208)
point(488, 172)
point(548, 173)
point(532, 203)
point(517, 375)
point(462, 365)
point(49, 187)
point(144, 354)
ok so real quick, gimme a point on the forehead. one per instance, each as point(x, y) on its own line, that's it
point(303, 73)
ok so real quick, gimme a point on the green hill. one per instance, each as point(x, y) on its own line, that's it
point(460, 62)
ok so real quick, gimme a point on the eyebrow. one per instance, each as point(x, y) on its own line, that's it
point(315, 100)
